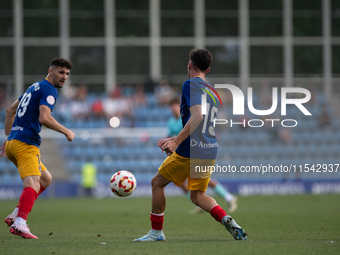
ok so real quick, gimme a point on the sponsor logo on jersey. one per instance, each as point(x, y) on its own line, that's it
point(193, 142)
point(211, 92)
point(17, 128)
point(208, 145)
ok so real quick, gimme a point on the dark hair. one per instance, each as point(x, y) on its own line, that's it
point(174, 101)
point(61, 62)
point(200, 58)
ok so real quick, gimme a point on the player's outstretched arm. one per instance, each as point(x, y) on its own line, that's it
point(169, 146)
point(46, 119)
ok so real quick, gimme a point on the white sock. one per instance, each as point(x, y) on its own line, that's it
point(15, 212)
point(228, 197)
point(20, 221)
point(157, 232)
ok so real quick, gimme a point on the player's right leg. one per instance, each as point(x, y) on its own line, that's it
point(11, 218)
point(174, 169)
point(26, 202)
point(158, 184)
point(27, 158)
point(45, 181)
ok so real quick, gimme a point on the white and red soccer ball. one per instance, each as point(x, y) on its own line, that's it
point(123, 183)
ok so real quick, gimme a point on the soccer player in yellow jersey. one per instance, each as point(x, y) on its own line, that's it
point(195, 146)
point(23, 122)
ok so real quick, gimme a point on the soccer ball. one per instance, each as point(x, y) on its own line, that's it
point(123, 183)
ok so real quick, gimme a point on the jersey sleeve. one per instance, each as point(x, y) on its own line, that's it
point(48, 98)
point(191, 93)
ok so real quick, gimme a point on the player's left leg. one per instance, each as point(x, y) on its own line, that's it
point(197, 187)
point(209, 204)
point(45, 179)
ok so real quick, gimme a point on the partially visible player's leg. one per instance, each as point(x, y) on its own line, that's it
point(209, 204)
point(158, 184)
point(26, 202)
point(11, 217)
point(197, 209)
point(27, 159)
point(45, 181)
point(200, 199)
point(9, 220)
point(166, 173)
point(222, 192)
point(185, 189)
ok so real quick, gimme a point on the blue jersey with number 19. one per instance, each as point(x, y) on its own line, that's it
point(26, 126)
point(202, 142)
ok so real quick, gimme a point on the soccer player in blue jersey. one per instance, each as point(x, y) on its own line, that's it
point(195, 146)
point(23, 122)
point(175, 126)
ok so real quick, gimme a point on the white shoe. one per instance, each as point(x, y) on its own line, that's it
point(22, 230)
point(10, 220)
point(234, 229)
point(233, 205)
point(151, 237)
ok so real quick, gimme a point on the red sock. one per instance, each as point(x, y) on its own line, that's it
point(42, 189)
point(26, 202)
point(218, 213)
point(157, 221)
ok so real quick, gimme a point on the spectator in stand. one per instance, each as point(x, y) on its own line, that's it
point(97, 110)
point(164, 92)
point(4, 103)
point(139, 98)
point(118, 106)
point(324, 119)
point(266, 96)
point(80, 106)
point(277, 132)
point(70, 92)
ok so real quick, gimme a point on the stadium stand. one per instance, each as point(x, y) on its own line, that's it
point(308, 142)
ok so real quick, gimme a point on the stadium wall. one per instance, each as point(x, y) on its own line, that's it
point(243, 188)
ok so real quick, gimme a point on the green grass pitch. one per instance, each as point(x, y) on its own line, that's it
point(302, 224)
